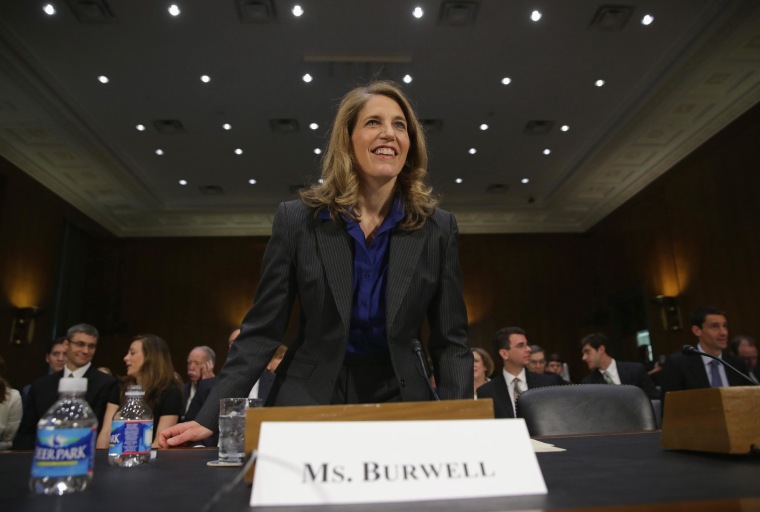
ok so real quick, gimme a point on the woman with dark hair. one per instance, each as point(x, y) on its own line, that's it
point(482, 367)
point(10, 410)
point(149, 365)
point(370, 258)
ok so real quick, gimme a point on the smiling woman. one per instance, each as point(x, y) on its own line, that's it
point(371, 258)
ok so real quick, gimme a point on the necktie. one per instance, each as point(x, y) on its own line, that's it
point(71, 375)
point(516, 389)
point(607, 377)
point(715, 380)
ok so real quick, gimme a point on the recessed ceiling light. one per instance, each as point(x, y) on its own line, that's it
point(535, 15)
point(205, 79)
point(159, 152)
point(314, 126)
point(320, 180)
point(547, 151)
point(252, 181)
point(140, 127)
point(506, 80)
point(183, 182)
point(174, 10)
point(565, 128)
point(458, 180)
point(472, 151)
point(317, 151)
point(524, 180)
point(297, 11)
point(599, 83)
point(227, 126)
point(103, 79)
point(647, 20)
point(407, 79)
point(238, 151)
point(418, 12)
point(307, 78)
point(484, 127)
point(49, 9)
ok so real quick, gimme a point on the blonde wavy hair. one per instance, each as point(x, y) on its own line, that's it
point(339, 190)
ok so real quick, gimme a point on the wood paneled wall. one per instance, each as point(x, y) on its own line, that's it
point(692, 233)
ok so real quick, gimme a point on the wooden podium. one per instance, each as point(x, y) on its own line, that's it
point(719, 420)
point(397, 411)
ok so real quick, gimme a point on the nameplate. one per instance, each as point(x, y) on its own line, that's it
point(318, 463)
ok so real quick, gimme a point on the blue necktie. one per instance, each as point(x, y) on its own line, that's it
point(715, 380)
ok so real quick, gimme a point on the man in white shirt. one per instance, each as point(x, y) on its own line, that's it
point(511, 343)
point(200, 365)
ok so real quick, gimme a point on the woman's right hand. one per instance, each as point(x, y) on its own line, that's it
point(182, 433)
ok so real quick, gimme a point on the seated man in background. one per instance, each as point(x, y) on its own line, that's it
point(555, 363)
point(745, 347)
point(505, 388)
point(606, 370)
point(537, 363)
point(80, 344)
point(55, 358)
point(200, 366)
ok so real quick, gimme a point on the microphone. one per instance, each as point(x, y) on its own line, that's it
point(689, 350)
point(417, 349)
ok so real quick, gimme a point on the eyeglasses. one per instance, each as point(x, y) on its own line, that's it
point(82, 344)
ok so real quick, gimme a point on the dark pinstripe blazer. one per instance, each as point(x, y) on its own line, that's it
point(312, 259)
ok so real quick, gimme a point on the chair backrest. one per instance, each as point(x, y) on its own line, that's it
point(585, 409)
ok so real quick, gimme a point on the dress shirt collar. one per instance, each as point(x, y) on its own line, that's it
point(612, 371)
point(79, 372)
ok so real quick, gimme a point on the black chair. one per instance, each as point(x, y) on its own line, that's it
point(585, 409)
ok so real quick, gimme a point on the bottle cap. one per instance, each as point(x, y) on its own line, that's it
point(72, 385)
point(134, 390)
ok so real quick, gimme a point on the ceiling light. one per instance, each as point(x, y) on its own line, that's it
point(506, 80)
point(320, 180)
point(407, 79)
point(205, 79)
point(140, 127)
point(252, 181)
point(535, 15)
point(159, 152)
point(599, 83)
point(227, 126)
point(317, 151)
point(524, 180)
point(472, 151)
point(103, 79)
point(297, 11)
point(49, 9)
point(458, 180)
point(314, 126)
point(484, 127)
point(238, 151)
point(565, 128)
point(307, 78)
point(174, 10)
point(647, 20)
point(183, 182)
point(547, 151)
point(418, 12)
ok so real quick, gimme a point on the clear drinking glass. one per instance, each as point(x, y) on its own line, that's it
point(232, 427)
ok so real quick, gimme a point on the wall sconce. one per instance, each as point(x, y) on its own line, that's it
point(670, 312)
point(22, 330)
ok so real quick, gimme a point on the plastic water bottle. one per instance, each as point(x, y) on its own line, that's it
point(65, 448)
point(131, 431)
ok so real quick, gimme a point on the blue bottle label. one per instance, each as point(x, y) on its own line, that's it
point(64, 452)
point(130, 437)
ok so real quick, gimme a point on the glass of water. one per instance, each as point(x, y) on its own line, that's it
point(232, 427)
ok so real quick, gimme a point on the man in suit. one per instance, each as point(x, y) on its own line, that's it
point(745, 347)
point(606, 370)
point(505, 388)
point(682, 371)
point(80, 344)
point(200, 366)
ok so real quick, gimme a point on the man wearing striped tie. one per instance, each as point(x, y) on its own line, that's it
point(606, 370)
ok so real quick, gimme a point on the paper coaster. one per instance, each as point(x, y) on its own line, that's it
point(220, 464)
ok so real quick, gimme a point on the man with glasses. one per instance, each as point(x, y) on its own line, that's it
point(80, 345)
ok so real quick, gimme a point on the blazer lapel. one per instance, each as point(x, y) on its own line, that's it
point(405, 249)
point(337, 257)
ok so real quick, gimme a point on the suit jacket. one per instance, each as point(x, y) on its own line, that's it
point(497, 390)
point(43, 393)
point(688, 372)
point(311, 259)
point(202, 391)
point(634, 374)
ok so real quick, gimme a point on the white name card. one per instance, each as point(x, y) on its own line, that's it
point(317, 463)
